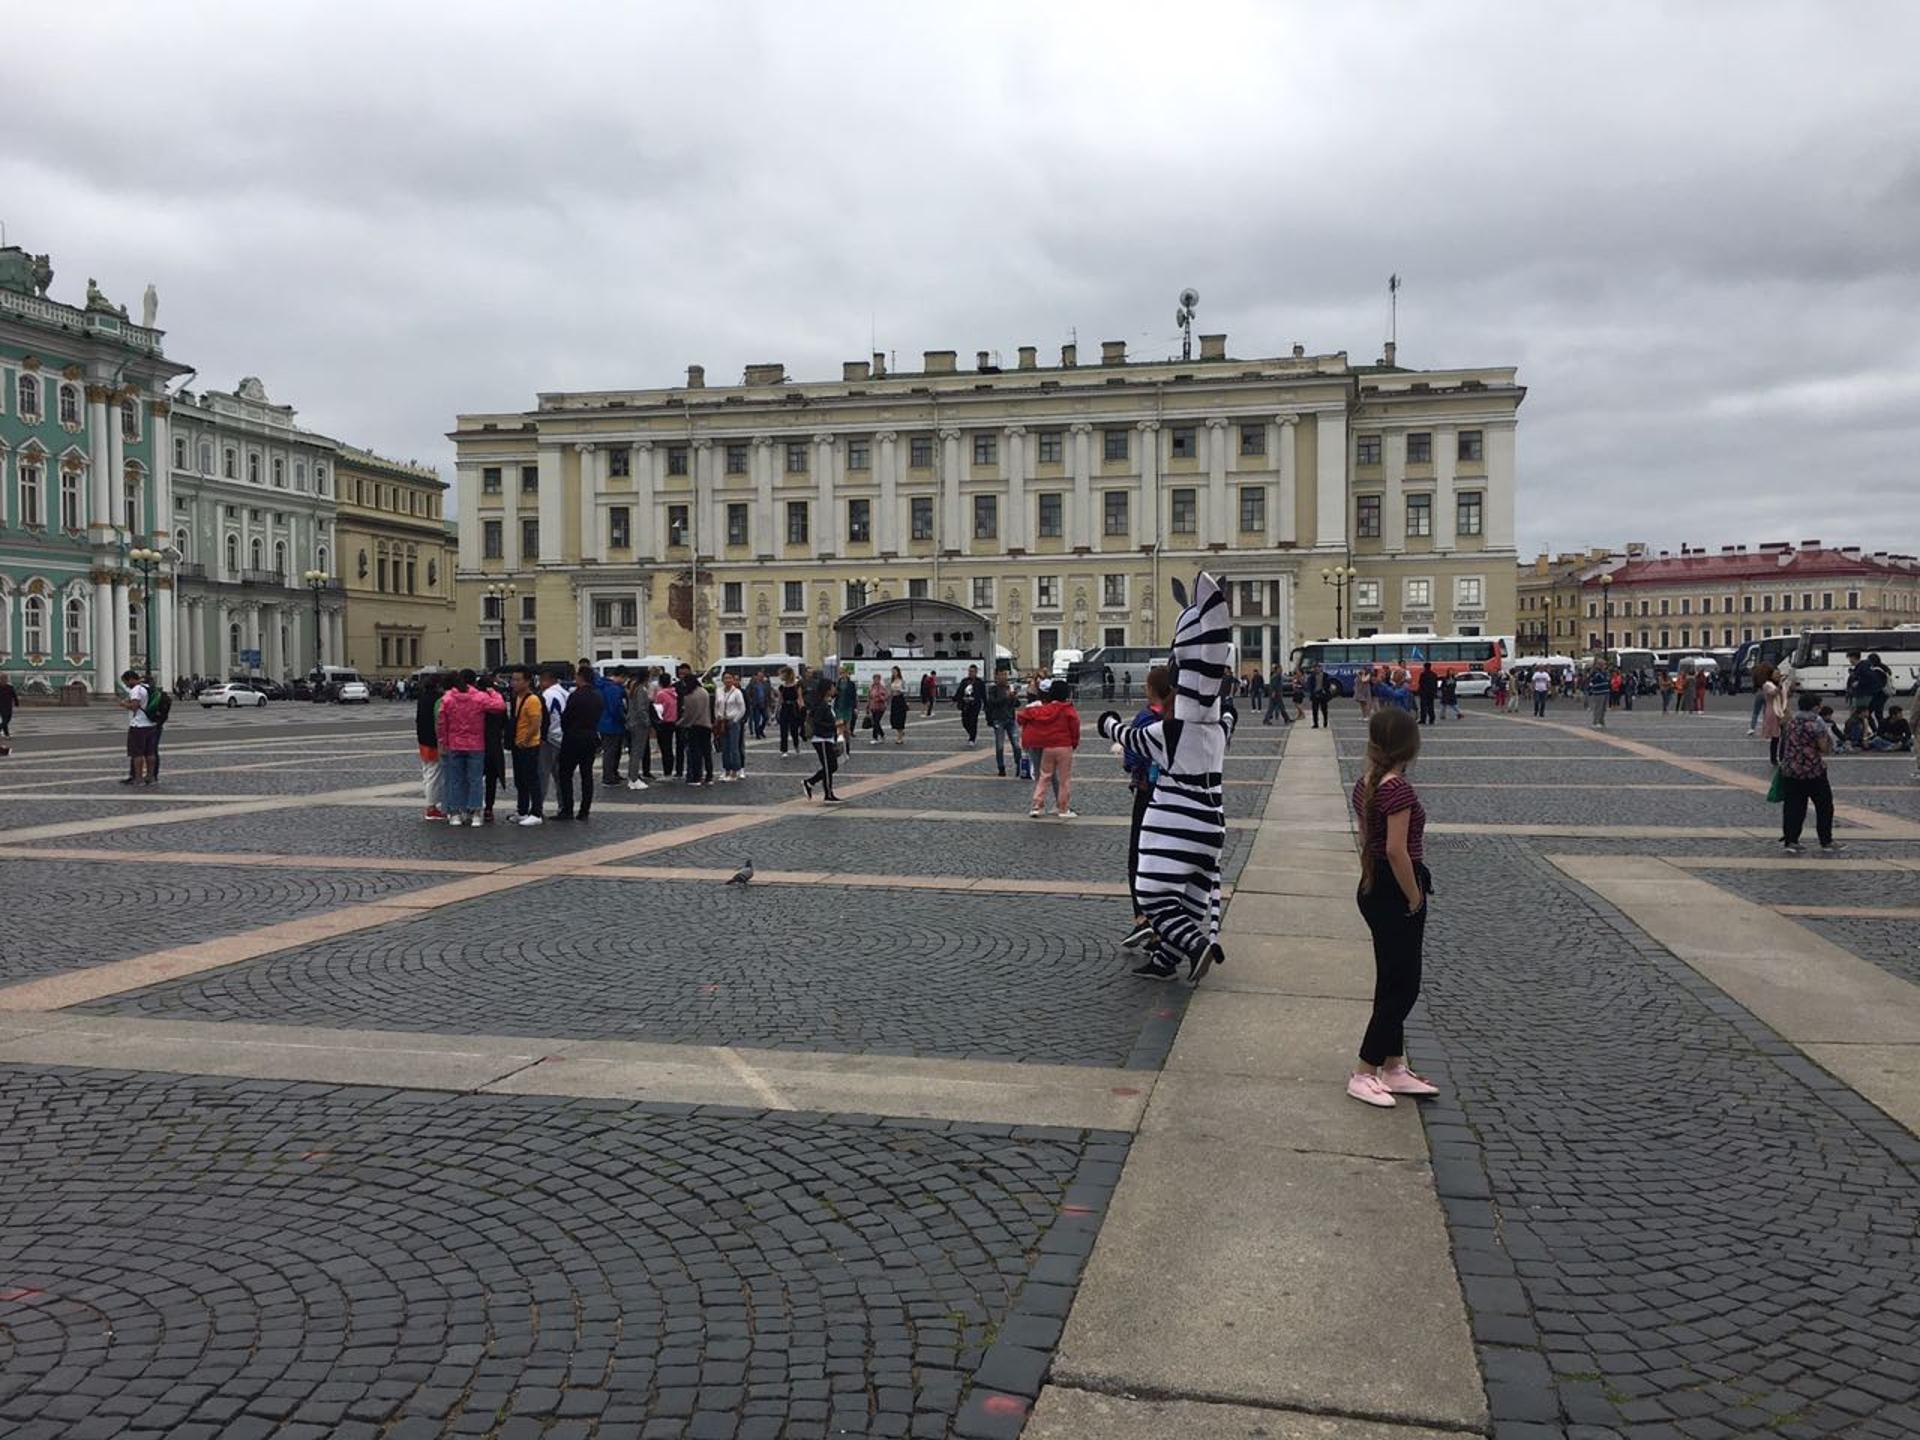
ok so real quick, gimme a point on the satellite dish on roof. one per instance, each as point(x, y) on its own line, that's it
point(1189, 298)
point(1183, 317)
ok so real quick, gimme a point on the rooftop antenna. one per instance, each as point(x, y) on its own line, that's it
point(1393, 309)
point(1183, 317)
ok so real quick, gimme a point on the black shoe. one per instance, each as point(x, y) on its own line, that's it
point(1138, 936)
point(563, 815)
point(581, 816)
point(1211, 956)
point(833, 800)
point(1831, 846)
point(127, 781)
point(807, 785)
point(1154, 968)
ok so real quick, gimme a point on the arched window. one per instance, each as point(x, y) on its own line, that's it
point(180, 539)
point(136, 632)
point(320, 562)
point(179, 452)
point(320, 479)
point(6, 617)
point(233, 647)
point(230, 463)
point(129, 420)
point(255, 550)
point(233, 555)
point(206, 457)
point(280, 560)
point(300, 475)
point(76, 626)
point(33, 624)
point(413, 558)
point(70, 517)
point(32, 503)
point(133, 502)
point(380, 569)
point(279, 472)
point(70, 405)
point(253, 469)
point(28, 396)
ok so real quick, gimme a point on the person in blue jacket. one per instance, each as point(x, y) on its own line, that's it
point(613, 725)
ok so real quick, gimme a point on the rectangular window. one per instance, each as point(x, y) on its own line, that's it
point(1113, 444)
point(529, 479)
point(734, 642)
point(1366, 450)
point(1467, 513)
point(1766, 604)
point(279, 472)
point(1253, 439)
point(490, 544)
point(1470, 448)
point(1468, 592)
point(1051, 509)
point(619, 527)
point(1706, 604)
point(1114, 635)
point(1050, 447)
point(1046, 592)
point(489, 478)
point(676, 525)
point(1113, 505)
point(859, 455)
point(619, 462)
point(921, 507)
point(736, 459)
point(917, 588)
point(856, 594)
point(1113, 592)
point(733, 597)
point(986, 449)
point(1046, 641)
point(1366, 594)
point(793, 598)
point(1186, 512)
point(860, 521)
point(1366, 517)
point(1182, 445)
point(676, 460)
point(1786, 601)
point(1253, 509)
point(1686, 605)
point(737, 524)
point(796, 457)
point(1419, 594)
point(986, 517)
point(920, 452)
point(796, 642)
point(982, 593)
point(1666, 607)
point(1853, 599)
point(490, 607)
point(529, 609)
point(529, 537)
point(1826, 600)
point(1806, 600)
point(1420, 447)
point(1419, 515)
point(796, 522)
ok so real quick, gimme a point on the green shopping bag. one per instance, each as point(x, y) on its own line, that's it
point(1775, 792)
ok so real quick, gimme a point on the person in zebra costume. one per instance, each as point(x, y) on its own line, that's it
point(1177, 884)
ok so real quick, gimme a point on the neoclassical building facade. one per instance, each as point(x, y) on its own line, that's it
point(395, 562)
point(84, 421)
point(1058, 500)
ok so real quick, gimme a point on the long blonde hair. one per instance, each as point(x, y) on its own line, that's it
point(1393, 742)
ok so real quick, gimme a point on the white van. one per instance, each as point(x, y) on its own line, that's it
point(745, 665)
point(668, 663)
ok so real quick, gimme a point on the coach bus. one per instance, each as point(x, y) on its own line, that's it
point(1820, 663)
point(1449, 655)
point(1772, 650)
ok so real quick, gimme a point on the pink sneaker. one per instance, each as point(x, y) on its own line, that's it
point(1402, 1081)
point(1368, 1090)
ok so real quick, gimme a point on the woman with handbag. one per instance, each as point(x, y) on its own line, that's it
point(792, 713)
point(897, 705)
point(876, 709)
point(1773, 710)
point(730, 727)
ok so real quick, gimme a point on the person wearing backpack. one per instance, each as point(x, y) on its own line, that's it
point(142, 733)
point(158, 707)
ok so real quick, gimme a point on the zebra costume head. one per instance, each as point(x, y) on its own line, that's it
point(1201, 642)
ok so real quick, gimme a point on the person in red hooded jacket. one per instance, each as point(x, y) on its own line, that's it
point(1053, 728)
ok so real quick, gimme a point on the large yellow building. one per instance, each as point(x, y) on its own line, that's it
point(394, 551)
point(1057, 500)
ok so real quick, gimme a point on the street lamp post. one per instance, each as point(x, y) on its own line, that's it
point(504, 593)
point(317, 580)
point(1606, 612)
point(145, 560)
point(1339, 577)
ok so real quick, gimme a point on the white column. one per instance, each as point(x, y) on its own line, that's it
point(117, 478)
point(274, 658)
point(1330, 481)
point(250, 631)
point(1149, 506)
point(164, 623)
point(1283, 520)
point(886, 531)
point(509, 520)
point(1496, 503)
point(1013, 524)
point(162, 428)
point(952, 446)
point(336, 638)
point(1270, 613)
point(99, 471)
point(1219, 438)
point(706, 487)
point(1393, 507)
point(826, 518)
point(104, 674)
point(1080, 523)
point(122, 618)
point(469, 527)
point(1284, 622)
point(761, 466)
point(589, 485)
point(1446, 449)
point(644, 528)
point(553, 506)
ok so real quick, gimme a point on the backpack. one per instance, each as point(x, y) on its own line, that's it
point(159, 705)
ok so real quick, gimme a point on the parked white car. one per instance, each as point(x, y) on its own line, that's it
point(355, 692)
point(232, 696)
point(1473, 685)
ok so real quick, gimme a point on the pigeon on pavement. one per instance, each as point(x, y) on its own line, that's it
point(742, 875)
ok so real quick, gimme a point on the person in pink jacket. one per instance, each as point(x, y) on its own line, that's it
point(462, 728)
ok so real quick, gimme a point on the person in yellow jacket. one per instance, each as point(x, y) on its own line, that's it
point(526, 726)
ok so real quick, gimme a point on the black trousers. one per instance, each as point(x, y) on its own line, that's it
point(576, 754)
point(696, 754)
point(1793, 814)
point(1320, 710)
point(526, 780)
point(789, 729)
point(665, 736)
point(1142, 797)
point(829, 752)
point(1426, 709)
point(610, 756)
point(970, 721)
point(1397, 940)
point(494, 769)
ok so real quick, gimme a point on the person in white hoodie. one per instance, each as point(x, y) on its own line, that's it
point(730, 719)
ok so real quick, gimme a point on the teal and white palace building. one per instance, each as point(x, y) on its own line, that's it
point(84, 483)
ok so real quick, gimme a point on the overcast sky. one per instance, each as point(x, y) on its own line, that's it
point(1693, 227)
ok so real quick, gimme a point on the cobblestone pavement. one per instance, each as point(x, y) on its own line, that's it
point(1668, 1222)
point(1827, 884)
point(1893, 945)
point(783, 967)
point(15, 813)
point(89, 913)
point(198, 1257)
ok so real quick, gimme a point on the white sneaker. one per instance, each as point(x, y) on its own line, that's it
point(456, 819)
point(1033, 814)
point(636, 784)
point(532, 820)
point(1069, 814)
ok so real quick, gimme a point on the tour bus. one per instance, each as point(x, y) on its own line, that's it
point(1773, 650)
point(1820, 661)
point(1131, 661)
point(1449, 655)
point(948, 670)
point(745, 666)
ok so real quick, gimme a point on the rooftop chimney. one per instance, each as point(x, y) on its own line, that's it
point(1809, 544)
point(769, 374)
point(982, 361)
point(1113, 352)
point(1386, 357)
point(879, 364)
point(1028, 357)
point(1069, 356)
point(938, 362)
point(696, 377)
point(1213, 347)
point(1299, 351)
point(854, 370)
